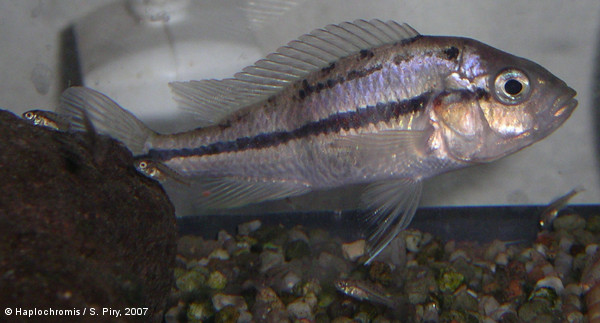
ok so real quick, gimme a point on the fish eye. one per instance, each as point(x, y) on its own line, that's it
point(28, 115)
point(142, 165)
point(511, 86)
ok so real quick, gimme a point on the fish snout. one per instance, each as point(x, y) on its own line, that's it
point(564, 104)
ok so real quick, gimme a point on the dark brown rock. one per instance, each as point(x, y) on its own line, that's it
point(79, 227)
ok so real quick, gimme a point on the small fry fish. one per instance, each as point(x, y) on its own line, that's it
point(367, 102)
point(551, 211)
point(158, 171)
point(47, 119)
point(364, 291)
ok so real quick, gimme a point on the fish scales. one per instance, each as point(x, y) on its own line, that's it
point(364, 102)
point(316, 109)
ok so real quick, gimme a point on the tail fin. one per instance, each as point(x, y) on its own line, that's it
point(107, 117)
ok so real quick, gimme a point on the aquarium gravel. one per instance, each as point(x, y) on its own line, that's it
point(271, 273)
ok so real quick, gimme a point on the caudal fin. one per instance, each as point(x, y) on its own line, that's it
point(107, 117)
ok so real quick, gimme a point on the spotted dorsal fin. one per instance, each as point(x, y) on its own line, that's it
point(213, 100)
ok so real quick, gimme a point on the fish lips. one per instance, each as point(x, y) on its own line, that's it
point(564, 105)
point(550, 119)
point(559, 112)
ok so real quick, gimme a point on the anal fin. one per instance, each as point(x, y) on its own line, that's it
point(392, 205)
point(231, 192)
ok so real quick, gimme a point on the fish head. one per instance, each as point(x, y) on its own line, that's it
point(498, 104)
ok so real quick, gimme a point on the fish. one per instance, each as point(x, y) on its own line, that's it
point(158, 171)
point(150, 168)
point(364, 291)
point(47, 119)
point(364, 102)
point(551, 211)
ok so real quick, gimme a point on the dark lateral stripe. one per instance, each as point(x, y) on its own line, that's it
point(334, 123)
point(308, 89)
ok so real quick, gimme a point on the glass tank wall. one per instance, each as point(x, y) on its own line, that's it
point(130, 50)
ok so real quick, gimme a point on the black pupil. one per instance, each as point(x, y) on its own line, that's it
point(513, 87)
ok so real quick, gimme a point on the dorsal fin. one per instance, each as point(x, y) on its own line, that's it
point(263, 12)
point(213, 100)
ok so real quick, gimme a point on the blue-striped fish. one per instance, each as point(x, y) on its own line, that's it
point(364, 102)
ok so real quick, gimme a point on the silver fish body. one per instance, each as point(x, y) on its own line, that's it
point(363, 102)
point(305, 132)
point(422, 79)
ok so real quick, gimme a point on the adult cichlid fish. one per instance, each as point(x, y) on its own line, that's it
point(364, 102)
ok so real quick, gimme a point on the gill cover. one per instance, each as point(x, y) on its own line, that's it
point(461, 122)
point(498, 110)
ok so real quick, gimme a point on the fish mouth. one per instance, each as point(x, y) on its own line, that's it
point(564, 104)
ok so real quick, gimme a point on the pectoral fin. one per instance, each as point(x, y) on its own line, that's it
point(384, 141)
point(392, 205)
